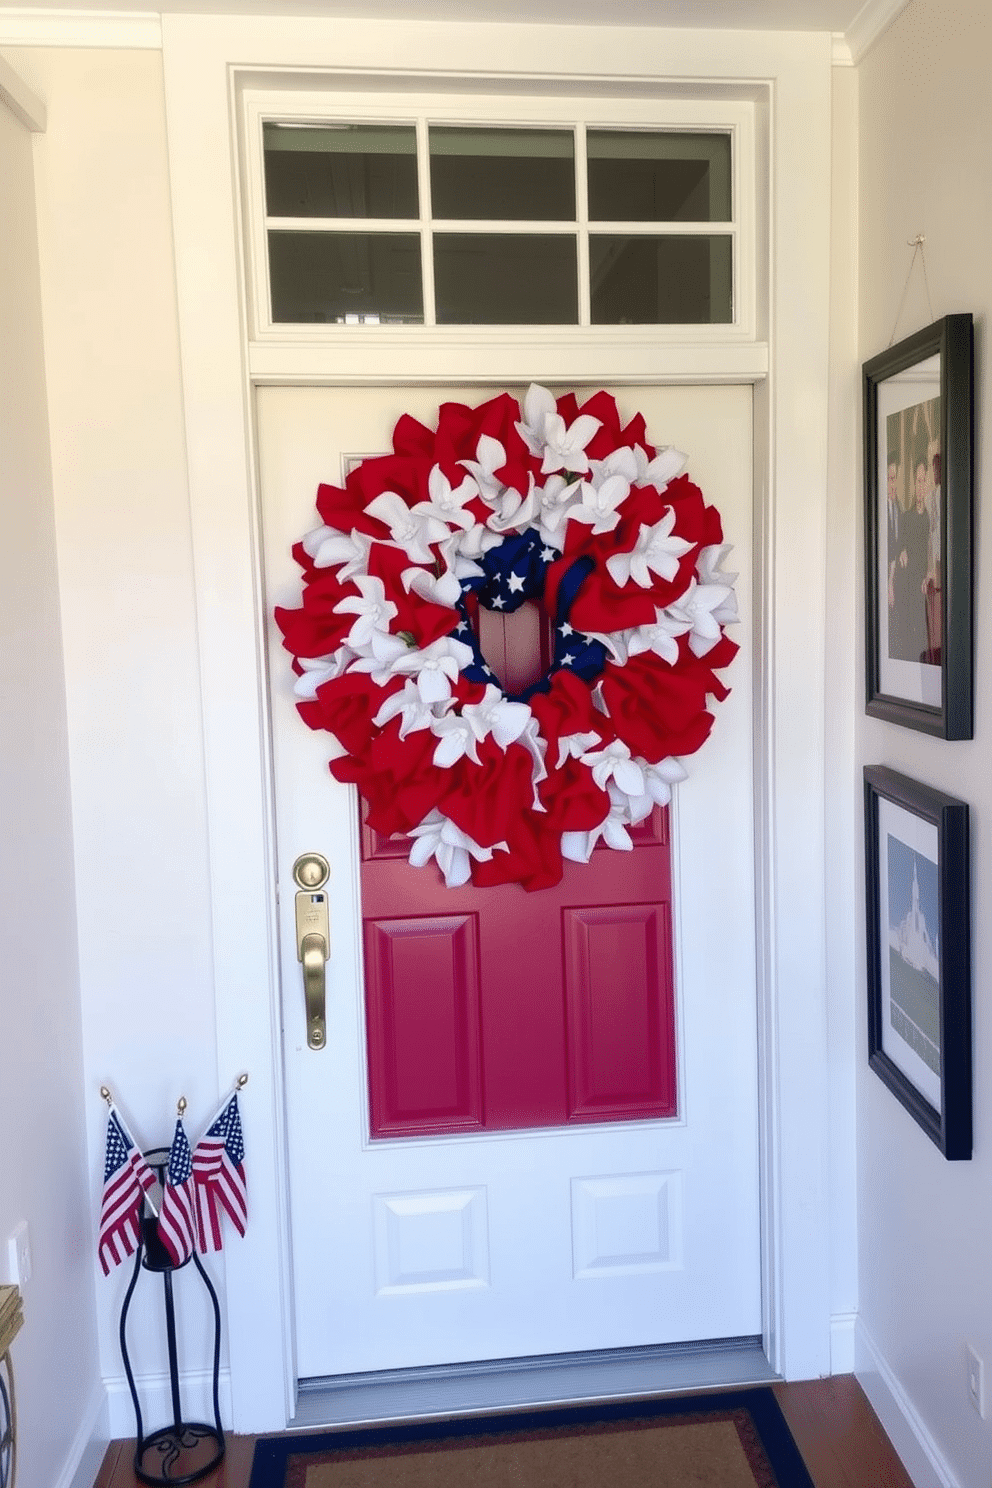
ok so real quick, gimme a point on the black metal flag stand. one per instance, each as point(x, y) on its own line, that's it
point(186, 1450)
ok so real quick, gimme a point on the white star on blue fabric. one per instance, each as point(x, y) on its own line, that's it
point(565, 629)
point(548, 555)
point(516, 583)
point(499, 602)
point(567, 659)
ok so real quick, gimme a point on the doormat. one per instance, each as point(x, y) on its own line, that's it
point(729, 1439)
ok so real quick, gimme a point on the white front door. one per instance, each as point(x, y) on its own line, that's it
point(422, 1251)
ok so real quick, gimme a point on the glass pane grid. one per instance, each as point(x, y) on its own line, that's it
point(672, 262)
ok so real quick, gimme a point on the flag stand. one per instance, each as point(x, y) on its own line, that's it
point(184, 1443)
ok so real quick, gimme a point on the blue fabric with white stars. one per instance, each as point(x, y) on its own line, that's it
point(512, 573)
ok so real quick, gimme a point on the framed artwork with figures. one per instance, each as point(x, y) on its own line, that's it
point(919, 519)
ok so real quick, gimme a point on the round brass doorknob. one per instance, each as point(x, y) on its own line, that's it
point(311, 871)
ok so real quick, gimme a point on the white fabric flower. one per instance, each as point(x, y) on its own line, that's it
point(320, 669)
point(661, 638)
point(413, 531)
point(696, 612)
point(498, 716)
point(379, 657)
point(409, 707)
point(709, 564)
point(447, 502)
point(490, 456)
point(664, 467)
point(438, 837)
point(578, 846)
point(545, 433)
point(440, 589)
point(656, 551)
point(574, 746)
point(597, 505)
point(351, 549)
point(621, 461)
point(614, 762)
point(456, 739)
point(373, 609)
point(557, 498)
point(709, 568)
point(514, 512)
point(435, 667)
point(658, 779)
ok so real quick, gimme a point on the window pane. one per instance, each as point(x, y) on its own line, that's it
point(343, 276)
point(340, 170)
point(660, 280)
point(506, 279)
point(513, 174)
point(637, 176)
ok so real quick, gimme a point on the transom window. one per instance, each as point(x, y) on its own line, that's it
point(449, 224)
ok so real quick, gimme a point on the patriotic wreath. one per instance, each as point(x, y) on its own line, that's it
point(562, 505)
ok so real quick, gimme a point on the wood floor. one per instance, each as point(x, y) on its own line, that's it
point(835, 1428)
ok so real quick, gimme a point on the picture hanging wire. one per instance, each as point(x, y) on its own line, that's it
point(917, 246)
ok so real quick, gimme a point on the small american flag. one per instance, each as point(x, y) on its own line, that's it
point(126, 1179)
point(177, 1219)
point(219, 1176)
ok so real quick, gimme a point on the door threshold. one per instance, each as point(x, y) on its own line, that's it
point(513, 1384)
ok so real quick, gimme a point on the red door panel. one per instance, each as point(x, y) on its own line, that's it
point(422, 1012)
point(619, 1061)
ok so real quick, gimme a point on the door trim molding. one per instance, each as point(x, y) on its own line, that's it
point(790, 74)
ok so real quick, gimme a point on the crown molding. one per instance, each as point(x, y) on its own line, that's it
point(23, 103)
point(24, 26)
point(131, 30)
point(874, 17)
point(840, 50)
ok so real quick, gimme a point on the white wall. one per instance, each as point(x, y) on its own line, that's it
point(44, 1171)
point(924, 1224)
point(129, 620)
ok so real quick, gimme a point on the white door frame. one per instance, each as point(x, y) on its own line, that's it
point(789, 76)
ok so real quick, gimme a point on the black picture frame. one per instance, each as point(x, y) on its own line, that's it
point(919, 410)
point(918, 937)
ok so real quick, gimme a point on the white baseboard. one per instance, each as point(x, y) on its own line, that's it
point(842, 1326)
point(155, 1400)
point(89, 1444)
point(903, 1424)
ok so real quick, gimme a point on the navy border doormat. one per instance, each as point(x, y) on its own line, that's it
point(748, 1441)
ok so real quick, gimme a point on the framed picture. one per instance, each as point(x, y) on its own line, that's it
point(918, 401)
point(919, 953)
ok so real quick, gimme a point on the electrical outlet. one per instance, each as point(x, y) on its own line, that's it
point(976, 1380)
point(19, 1254)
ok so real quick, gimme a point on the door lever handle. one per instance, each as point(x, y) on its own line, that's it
point(313, 954)
point(313, 941)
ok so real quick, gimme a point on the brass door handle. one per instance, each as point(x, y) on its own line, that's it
point(313, 954)
point(313, 941)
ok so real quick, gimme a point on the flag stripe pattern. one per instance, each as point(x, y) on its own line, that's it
point(219, 1177)
point(177, 1219)
point(126, 1179)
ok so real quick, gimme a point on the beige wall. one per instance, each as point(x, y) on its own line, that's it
point(44, 1169)
point(924, 1224)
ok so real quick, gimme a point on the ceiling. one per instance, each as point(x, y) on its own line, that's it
point(778, 15)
